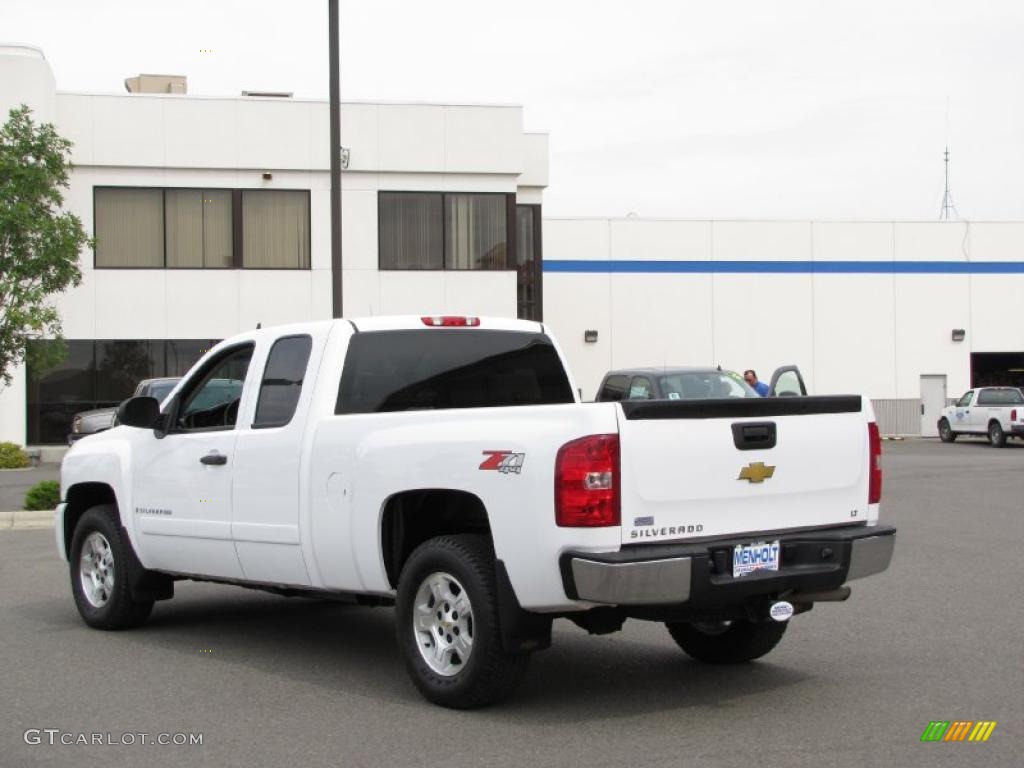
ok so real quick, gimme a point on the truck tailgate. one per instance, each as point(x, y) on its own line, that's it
point(704, 468)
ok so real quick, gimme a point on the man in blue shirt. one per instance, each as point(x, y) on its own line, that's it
point(750, 376)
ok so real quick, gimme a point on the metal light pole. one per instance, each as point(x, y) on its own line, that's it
point(332, 23)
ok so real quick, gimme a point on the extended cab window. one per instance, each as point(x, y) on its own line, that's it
point(450, 368)
point(282, 381)
point(614, 388)
point(211, 400)
point(1000, 397)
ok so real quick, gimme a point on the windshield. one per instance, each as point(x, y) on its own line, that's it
point(703, 385)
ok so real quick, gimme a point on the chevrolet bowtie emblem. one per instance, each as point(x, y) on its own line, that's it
point(756, 472)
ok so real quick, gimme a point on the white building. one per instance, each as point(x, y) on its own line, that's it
point(907, 313)
point(212, 215)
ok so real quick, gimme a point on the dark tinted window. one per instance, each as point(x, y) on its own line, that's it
point(282, 381)
point(95, 374)
point(450, 368)
point(614, 388)
point(1000, 397)
point(411, 230)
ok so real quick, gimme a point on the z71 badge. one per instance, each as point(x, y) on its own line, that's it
point(503, 461)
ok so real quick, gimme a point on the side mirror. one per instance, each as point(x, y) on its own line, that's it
point(141, 412)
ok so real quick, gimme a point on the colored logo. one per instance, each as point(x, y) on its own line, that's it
point(503, 461)
point(756, 472)
point(958, 730)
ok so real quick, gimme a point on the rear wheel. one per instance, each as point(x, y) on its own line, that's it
point(727, 642)
point(946, 433)
point(100, 559)
point(996, 436)
point(447, 624)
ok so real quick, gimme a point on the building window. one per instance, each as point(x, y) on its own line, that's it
point(145, 228)
point(528, 262)
point(435, 230)
point(411, 230)
point(99, 374)
point(198, 224)
point(275, 229)
point(475, 232)
point(129, 227)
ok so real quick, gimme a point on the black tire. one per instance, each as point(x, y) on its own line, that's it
point(490, 674)
point(119, 610)
point(996, 435)
point(946, 433)
point(738, 642)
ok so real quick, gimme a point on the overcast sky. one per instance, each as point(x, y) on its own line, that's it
point(712, 109)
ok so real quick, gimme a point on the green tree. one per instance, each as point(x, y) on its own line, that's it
point(39, 241)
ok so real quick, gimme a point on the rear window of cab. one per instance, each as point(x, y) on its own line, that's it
point(438, 368)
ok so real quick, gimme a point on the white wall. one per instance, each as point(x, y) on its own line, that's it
point(875, 334)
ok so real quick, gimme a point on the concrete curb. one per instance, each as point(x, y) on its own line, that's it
point(23, 520)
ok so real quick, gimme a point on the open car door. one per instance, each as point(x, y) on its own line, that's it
point(787, 382)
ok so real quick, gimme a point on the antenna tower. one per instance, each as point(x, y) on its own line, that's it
point(948, 210)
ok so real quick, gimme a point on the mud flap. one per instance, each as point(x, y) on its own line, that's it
point(521, 631)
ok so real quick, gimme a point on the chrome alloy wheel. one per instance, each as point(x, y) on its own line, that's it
point(96, 569)
point(443, 624)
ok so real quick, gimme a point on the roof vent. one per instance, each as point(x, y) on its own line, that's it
point(269, 94)
point(157, 84)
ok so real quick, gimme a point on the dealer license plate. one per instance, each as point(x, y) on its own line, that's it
point(750, 558)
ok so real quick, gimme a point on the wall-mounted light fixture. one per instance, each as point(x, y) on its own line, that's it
point(590, 337)
point(959, 334)
point(267, 175)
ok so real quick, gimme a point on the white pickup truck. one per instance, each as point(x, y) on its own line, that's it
point(444, 465)
point(995, 412)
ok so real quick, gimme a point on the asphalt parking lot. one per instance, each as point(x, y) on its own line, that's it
point(273, 681)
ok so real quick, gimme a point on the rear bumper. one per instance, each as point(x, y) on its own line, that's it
point(1017, 430)
point(699, 574)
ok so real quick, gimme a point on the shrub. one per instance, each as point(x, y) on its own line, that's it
point(12, 456)
point(44, 495)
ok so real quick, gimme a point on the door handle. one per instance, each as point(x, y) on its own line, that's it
point(922, 409)
point(215, 459)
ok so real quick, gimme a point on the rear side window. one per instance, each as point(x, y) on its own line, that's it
point(450, 368)
point(282, 381)
point(1000, 397)
point(614, 388)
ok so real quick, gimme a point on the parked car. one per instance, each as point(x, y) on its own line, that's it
point(87, 423)
point(996, 412)
point(692, 384)
point(444, 465)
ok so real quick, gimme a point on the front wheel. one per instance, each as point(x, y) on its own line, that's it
point(100, 560)
point(447, 624)
point(996, 435)
point(946, 433)
point(727, 642)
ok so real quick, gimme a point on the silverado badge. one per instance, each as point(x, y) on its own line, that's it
point(756, 472)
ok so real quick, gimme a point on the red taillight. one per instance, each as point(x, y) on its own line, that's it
point(1013, 414)
point(450, 321)
point(874, 464)
point(587, 482)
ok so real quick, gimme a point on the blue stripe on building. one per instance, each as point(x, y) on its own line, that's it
point(790, 267)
